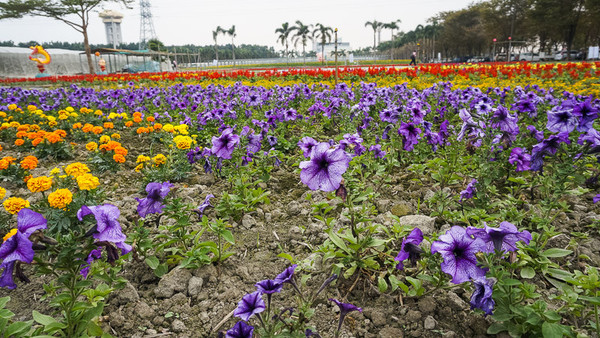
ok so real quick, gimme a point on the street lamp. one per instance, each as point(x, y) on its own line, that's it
point(418, 45)
point(494, 52)
point(509, 54)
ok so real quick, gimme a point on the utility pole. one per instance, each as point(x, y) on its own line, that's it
point(494, 51)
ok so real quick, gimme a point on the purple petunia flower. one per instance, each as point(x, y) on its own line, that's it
point(240, 330)
point(482, 295)
point(377, 152)
point(268, 286)
point(17, 246)
point(224, 145)
point(410, 248)
point(458, 251)
point(152, 204)
point(586, 114)
point(501, 239)
point(468, 192)
point(325, 168)
point(561, 120)
point(345, 308)
point(410, 135)
point(519, 157)
point(205, 204)
point(306, 144)
point(287, 275)
point(108, 229)
point(94, 255)
point(251, 304)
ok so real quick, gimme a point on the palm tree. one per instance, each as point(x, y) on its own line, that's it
point(231, 32)
point(323, 33)
point(301, 34)
point(215, 34)
point(284, 32)
point(376, 25)
point(391, 26)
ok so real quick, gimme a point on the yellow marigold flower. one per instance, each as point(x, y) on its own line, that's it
point(91, 146)
point(183, 142)
point(115, 136)
point(159, 159)
point(112, 116)
point(60, 198)
point(87, 182)
point(14, 124)
point(52, 123)
point(77, 169)
point(168, 127)
point(63, 117)
point(55, 171)
point(139, 167)
point(31, 107)
point(97, 112)
point(70, 109)
point(39, 184)
point(119, 158)
point(14, 204)
point(104, 139)
point(51, 118)
point(142, 159)
point(2, 193)
point(29, 162)
point(12, 106)
point(2, 114)
point(11, 233)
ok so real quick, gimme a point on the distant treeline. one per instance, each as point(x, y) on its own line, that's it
point(206, 53)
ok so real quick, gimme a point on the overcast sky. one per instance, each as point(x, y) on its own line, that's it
point(179, 22)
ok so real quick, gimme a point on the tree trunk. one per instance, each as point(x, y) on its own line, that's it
point(88, 51)
point(323, 52)
point(374, 40)
point(304, 51)
point(233, 51)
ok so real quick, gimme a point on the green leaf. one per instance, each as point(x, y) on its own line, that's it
point(43, 319)
point(393, 282)
point(337, 241)
point(556, 252)
point(527, 272)
point(228, 236)
point(382, 284)
point(286, 256)
point(3, 301)
point(496, 328)
point(17, 328)
point(551, 330)
point(592, 300)
point(560, 274)
point(348, 273)
point(161, 270)
point(152, 262)
point(510, 282)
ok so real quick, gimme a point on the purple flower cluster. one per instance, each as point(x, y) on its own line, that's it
point(323, 171)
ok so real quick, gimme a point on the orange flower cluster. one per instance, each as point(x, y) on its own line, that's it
point(6, 161)
point(120, 151)
point(29, 162)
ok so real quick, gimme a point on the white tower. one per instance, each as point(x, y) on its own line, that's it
point(112, 24)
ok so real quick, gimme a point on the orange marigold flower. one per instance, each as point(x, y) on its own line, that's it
point(121, 151)
point(0, 147)
point(14, 204)
point(112, 145)
point(32, 136)
point(137, 119)
point(27, 178)
point(53, 137)
point(21, 134)
point(37, 141)
point(19, 142)
point(23, 127)
point(4, 164)
point(87, 128)
point(128, 124)
point(61, 132)
point(91, 146)
point(97, 130)
point(77, 169)
point(150, 118)
point(137, 114)
point(157, 126)
point(119, 158)
point(60, 198)
point(142, 130)
point(77, 125)
point(39, 184)
point(108, 125)
point(29, 162)
point(10, 159)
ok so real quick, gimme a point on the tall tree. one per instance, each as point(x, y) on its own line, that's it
point(59, 10)
point(323, 33)
point(215, 35)
point(376, 26)
point(284, 32)
point(392, 26)
point(301, 34)
point(231, 32)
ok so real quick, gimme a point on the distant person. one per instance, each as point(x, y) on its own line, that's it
point(174, 62)
point(413, 58)
point(101, 63)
